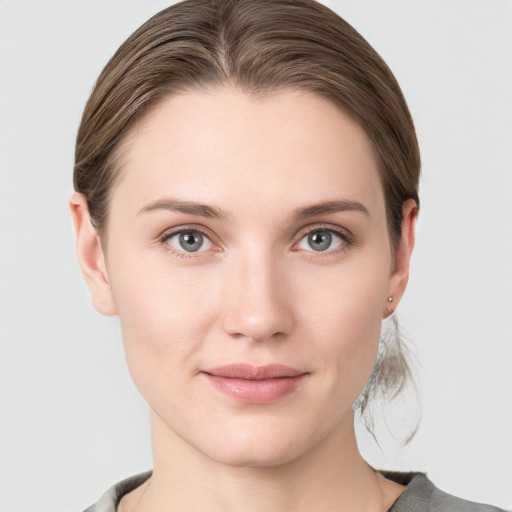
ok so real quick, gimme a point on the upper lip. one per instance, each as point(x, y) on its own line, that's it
point(250, 372)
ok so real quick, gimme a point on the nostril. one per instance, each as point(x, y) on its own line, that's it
point(276, 336)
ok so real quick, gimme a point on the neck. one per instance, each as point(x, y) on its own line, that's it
point(331, 476)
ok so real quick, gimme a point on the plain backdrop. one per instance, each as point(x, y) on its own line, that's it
point(72, 422)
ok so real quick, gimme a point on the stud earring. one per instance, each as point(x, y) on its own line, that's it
point(389, 308)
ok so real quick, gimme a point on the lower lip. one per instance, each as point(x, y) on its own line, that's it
point(255, 391)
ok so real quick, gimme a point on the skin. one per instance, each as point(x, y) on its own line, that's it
point(255, 292)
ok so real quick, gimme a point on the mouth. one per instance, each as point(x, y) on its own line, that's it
point(255, 384)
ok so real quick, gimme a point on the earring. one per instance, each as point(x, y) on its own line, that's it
point(389, 308)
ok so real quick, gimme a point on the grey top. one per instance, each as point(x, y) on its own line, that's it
point(421, 495)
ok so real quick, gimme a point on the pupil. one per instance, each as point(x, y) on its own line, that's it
point(320, 240)
point(191, 241)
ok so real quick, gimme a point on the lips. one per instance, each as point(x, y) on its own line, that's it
point(255, 384)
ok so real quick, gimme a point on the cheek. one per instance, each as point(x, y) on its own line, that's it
point(345, 322)
point(164, 315)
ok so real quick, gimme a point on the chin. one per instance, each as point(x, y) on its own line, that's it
point(255, 457)
point(259, 448)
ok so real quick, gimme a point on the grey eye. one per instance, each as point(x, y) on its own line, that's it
point(189, 241)
point(320, 240)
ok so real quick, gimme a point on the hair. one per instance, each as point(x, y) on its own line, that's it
point(258, 46)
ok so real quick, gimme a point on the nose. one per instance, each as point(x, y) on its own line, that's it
point(258, 304)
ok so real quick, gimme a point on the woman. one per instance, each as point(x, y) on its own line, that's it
point(246, 195)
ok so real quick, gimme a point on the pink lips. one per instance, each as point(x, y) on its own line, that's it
point(255, 384)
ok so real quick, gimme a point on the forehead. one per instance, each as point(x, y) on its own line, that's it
point(224, 146)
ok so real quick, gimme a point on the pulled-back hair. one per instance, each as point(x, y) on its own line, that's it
point(258, 46)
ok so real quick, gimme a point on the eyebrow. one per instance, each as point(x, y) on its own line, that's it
point(189, 207)
point(203, 210)
point(326, 207)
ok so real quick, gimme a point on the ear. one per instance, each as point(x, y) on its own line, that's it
point(91, 257)
point(400, 271)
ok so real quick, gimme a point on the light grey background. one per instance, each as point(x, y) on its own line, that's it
point(71, 421)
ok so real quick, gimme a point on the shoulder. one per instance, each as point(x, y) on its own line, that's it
point(442, 501)
point(111, 498)
point(421, 495)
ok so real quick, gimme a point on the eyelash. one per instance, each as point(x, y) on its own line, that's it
point(347, 240)
point(183, 254)
point(346, 237)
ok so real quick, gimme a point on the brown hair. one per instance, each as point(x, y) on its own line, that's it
point(258, 46)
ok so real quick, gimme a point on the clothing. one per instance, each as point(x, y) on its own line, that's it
point(421, 495)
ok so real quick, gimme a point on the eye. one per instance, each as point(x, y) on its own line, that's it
point(322, 240)
point(188, 240)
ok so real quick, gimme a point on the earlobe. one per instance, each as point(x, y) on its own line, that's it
point(91, 257)
point(400, 272)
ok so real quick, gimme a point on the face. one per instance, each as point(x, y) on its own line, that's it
point(248, 259)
